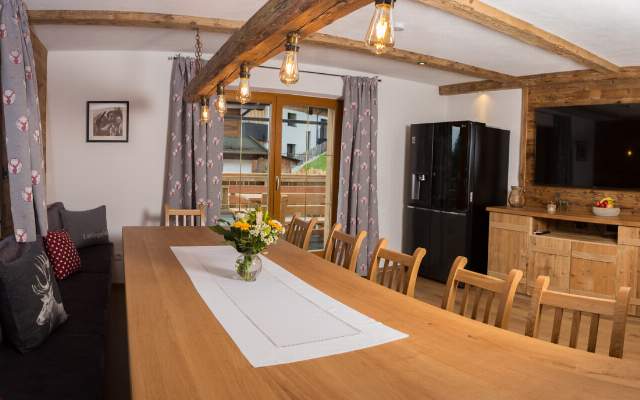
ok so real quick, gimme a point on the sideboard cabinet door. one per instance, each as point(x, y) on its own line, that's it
point(508, 245)
point(593, 269)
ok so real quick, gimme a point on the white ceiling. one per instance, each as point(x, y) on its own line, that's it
point(607, 28)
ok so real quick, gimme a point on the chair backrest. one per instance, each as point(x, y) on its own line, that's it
point(616, 308)
point(184, 217)
point(299, 232)
point(480, 284)
point(395, 270)
point(343, 249)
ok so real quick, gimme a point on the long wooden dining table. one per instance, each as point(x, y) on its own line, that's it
point(178, 350)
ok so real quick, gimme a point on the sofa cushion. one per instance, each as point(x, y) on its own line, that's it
point(87, 228)
point(62, 253)
point(30, 302)
point(53, 215)
point(97, 259)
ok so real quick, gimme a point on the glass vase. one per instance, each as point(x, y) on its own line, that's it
point(248, 267)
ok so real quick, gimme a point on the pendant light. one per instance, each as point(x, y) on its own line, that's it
point(380, 36)
point(204, 110)
point(245, 89)
point(221, 102)
point(204, 102)
point(289, 69)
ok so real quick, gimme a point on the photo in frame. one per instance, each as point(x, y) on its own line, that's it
point(108, 121)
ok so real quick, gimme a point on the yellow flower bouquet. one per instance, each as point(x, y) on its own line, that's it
point(250, 233)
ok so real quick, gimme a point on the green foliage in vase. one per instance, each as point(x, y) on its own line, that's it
point(250, 232)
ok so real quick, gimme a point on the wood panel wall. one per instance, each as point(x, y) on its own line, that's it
point(603, 92)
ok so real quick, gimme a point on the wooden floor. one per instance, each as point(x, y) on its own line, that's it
point(431, 292)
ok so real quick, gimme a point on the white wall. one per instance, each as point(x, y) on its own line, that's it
point(128, 177)
point(499, 109)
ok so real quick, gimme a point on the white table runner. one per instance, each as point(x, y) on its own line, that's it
point(279, 318)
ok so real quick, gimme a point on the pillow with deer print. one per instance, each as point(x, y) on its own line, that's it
point(30, 302)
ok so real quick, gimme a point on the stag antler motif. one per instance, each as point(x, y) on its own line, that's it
point(52, 311)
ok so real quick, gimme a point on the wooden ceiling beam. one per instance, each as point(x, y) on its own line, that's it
point(132, 19)
point(550, 79)
point(497, 20)
point(226, 26)
point(263, 36)
point(341, 43)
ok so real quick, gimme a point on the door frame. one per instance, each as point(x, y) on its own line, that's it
point(277, 101)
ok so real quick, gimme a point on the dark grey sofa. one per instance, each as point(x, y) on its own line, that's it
point(70, 363)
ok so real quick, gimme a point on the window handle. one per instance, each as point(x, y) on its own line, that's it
point(278, 183)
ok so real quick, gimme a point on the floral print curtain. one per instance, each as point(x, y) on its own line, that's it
point(357, 196)
point(21, 115)
point(194, 150)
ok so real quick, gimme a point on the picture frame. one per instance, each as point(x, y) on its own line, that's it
point(107, 121)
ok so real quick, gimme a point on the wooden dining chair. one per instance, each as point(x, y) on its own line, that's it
point(186, 216)
point(616, 308)
point(343, 249)
point(395, 270)
point(300, 231)
point(480, 284)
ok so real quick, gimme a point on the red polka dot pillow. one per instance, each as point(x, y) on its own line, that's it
point(62, 253)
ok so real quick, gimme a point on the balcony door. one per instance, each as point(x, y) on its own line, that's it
point(279, 154)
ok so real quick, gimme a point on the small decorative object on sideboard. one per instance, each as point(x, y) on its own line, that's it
point(250, 233)
point(516, 197)
point(606, 208)
point(552, 208)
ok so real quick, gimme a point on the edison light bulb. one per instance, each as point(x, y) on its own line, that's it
point(380, 36)
point(289, 73)
point(221, 102)
point(245, 89)
point(204, 110)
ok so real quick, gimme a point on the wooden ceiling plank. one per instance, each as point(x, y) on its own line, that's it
point(550, 79)
point(497, 20)
point(226, 26)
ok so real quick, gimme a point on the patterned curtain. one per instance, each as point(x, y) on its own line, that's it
point(357, 196)
point(194, 150)
point(22, 127)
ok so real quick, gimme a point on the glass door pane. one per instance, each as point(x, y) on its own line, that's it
point(245, 182)
point(306, 167)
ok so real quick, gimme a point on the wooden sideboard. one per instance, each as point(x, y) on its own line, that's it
point(581, 253)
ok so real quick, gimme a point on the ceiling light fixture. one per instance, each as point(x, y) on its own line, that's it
point(204, 110)
point(289, 70)
point(221, 102)
point(204, 102)
point(245, 89)
point(380, 36)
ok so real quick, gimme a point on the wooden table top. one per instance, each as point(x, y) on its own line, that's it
point(178, 350)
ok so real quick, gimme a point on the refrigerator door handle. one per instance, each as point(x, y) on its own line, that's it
point(416, 185)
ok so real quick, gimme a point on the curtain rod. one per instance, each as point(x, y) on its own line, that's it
point(277, 68)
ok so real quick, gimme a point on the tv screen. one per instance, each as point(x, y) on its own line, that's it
point(594, 146)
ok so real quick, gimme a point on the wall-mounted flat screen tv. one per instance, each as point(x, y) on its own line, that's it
point(592, 146)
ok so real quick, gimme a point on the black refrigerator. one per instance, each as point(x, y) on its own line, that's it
point(455, 171)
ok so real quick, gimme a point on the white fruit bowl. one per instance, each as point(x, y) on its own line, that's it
point(606, 212)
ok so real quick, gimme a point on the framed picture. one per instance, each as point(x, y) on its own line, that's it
point(108, 121)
